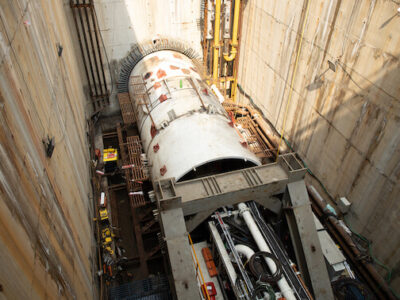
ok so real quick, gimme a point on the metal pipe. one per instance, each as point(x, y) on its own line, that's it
point(262, 245)
point(81, 47)
point(234, 43)
point(87, 48)
point(93, 49)
point(301, 280)
point(217, 93)
point(93, 12)
point(208, 18)
point(227, 19)
point(264, 126)
point(366, 269)
point(224, 254)
point(216, 38)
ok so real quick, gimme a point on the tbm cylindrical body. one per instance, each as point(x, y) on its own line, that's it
point(185, 131)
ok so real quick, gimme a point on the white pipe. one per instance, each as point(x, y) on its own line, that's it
point(217, 93)
point(262, 245)
point(210, 19)
point(245, 250)
point(227, 19)
point(224, 254)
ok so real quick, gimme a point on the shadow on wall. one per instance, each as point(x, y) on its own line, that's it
point(348, 131)
point(344, 117)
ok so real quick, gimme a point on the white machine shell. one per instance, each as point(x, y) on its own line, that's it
point(192, 128)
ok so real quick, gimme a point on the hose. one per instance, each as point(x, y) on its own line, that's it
point(263, 275)
point(263, 288)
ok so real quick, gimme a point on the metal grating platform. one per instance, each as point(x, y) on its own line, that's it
point(256, 140)
point(142, 99)
point(133, 166)
point(127, 109)
point(136, 173)
point(136, 80)
point(134, 151)
point(253, 138)
point(138, 85)
point(156, 288)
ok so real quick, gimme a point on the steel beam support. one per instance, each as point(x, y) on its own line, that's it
point(197, 219)
point(305, 239)
point(180, 256)
point(274, 204)
point(213, 192)
point(199, 197)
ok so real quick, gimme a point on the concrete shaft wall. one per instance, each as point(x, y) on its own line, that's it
point(45, 212)
point(345, 124)
point(126, 22)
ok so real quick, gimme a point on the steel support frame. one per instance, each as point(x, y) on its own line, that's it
point(305, 240)
point(179, 252)
point(200, 197)
point(213, 192)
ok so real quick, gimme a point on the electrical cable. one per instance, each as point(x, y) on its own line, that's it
point(263, 275)
point(243, 230)
point(389, 271)
point(263, 288)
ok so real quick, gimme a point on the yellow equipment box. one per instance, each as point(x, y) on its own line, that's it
point(103, 214)
point(106, 236)
point(110, 154)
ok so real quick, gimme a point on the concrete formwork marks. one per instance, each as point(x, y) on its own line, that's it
point(124, 23)
point(45, 212)
point(345, 124)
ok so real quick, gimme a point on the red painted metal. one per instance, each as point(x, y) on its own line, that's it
point(162, 98)
point(161, 73)
point(163, 170)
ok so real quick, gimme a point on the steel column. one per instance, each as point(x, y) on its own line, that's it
point(307, 232)
point(180, 256)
